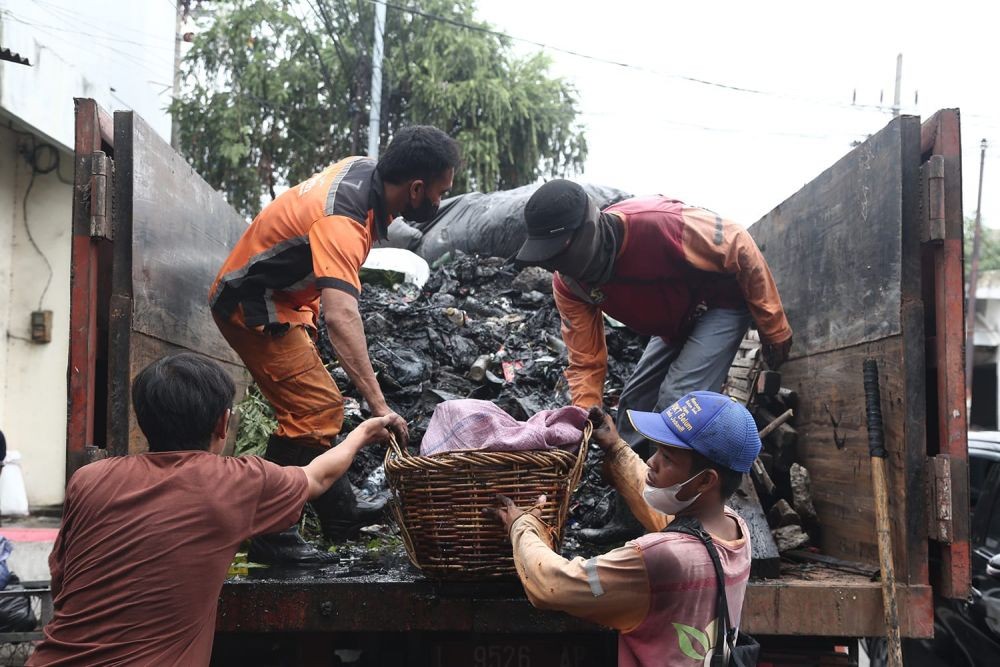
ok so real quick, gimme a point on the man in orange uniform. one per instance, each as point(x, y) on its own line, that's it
point(679, 274)
point(305, 249)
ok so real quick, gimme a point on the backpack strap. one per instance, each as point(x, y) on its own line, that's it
point(690, 525)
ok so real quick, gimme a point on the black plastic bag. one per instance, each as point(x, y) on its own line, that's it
point(15, 610)
point(477, 223)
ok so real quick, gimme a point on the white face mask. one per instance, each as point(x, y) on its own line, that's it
point(665, 499)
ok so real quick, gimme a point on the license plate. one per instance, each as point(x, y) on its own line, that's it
point(553, 651)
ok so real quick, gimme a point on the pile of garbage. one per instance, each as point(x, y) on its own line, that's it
point(478, 328)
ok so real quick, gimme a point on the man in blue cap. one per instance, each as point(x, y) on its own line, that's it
point(659, 590)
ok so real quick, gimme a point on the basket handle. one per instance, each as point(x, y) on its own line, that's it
point(581, 454)
point(400, 452)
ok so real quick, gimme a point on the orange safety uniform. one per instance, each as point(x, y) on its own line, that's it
point(265, 298)
point(674, 261)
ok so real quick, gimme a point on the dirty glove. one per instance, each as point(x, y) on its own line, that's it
point(775, 354)
point(605, 434)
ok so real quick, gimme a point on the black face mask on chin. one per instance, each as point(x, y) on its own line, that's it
point(419, 214)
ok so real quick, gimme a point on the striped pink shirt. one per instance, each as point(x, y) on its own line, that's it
point(679, 628)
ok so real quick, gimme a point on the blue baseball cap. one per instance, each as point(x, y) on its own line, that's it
point(715, 426)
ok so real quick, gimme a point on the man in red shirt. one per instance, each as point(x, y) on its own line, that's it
point(679, 274)
point(306, 248)
point(146, 540)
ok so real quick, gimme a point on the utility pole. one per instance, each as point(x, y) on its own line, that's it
point(375, 112)
point(970, 316)
point(175, 127)
point(899, 82)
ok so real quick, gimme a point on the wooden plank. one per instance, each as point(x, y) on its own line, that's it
point(738, 384)
point(832, 445)
point(803, 602)
point(182, 232)
point(173, 232)
point(845, 254)
point(121, 308)
point(85, 261)
point(914, 367)
point(943, 275)
point(739, 394)
point(834, 248)
point(766, 562)
point(830, 607)
point(742, 373)
point(145, 350)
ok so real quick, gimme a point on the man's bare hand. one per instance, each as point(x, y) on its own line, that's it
point(375, 430)
point(507, 512)
point(396, 424)
point(605, 434)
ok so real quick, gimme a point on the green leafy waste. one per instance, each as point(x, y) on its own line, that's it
point(256, 424)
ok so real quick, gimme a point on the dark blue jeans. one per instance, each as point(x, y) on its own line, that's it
point(667, 372)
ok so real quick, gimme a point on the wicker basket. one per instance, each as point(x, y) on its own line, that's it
point(438, 502)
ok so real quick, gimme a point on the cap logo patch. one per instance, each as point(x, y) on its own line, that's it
point(678, 414)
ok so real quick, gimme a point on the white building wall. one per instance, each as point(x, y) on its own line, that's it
point(34, 393)
point(119, 52)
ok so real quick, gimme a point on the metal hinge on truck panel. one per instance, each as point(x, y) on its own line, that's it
point(102, 170)
point(939, 498)
point(935, 230)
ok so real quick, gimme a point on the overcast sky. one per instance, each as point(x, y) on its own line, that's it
point(740, 153)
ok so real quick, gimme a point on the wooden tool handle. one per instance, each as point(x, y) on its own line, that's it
point(883, 534)
point(778, 421)
point(873, 410)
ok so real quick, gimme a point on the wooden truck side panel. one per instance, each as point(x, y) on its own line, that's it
point(173, 232)
point(845, 254)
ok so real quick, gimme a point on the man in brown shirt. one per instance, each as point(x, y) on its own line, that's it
point(146, 540)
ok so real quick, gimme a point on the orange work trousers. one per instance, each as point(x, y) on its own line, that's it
point(289, 372)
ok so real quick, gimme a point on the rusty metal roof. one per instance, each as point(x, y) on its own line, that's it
point(10, 56)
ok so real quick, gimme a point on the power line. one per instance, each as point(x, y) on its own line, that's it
point(77, 31)
point(840, 136)
point(104, 26)
point(625, 65)
point(147, 66)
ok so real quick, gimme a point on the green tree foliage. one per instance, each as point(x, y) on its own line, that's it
point(989, 247)
point(276, 91)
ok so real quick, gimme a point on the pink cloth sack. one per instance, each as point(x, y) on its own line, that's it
point(467, 425)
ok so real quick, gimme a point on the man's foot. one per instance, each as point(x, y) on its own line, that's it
point(287, 548)
point(342, 512)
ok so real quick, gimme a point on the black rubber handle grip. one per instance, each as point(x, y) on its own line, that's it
point(873, 410)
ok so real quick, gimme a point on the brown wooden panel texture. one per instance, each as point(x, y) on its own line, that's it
point(146, 350)
point(173, 231)
point(845, 254)
point(834, 247)
point(833, 445)
point(182, 231)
